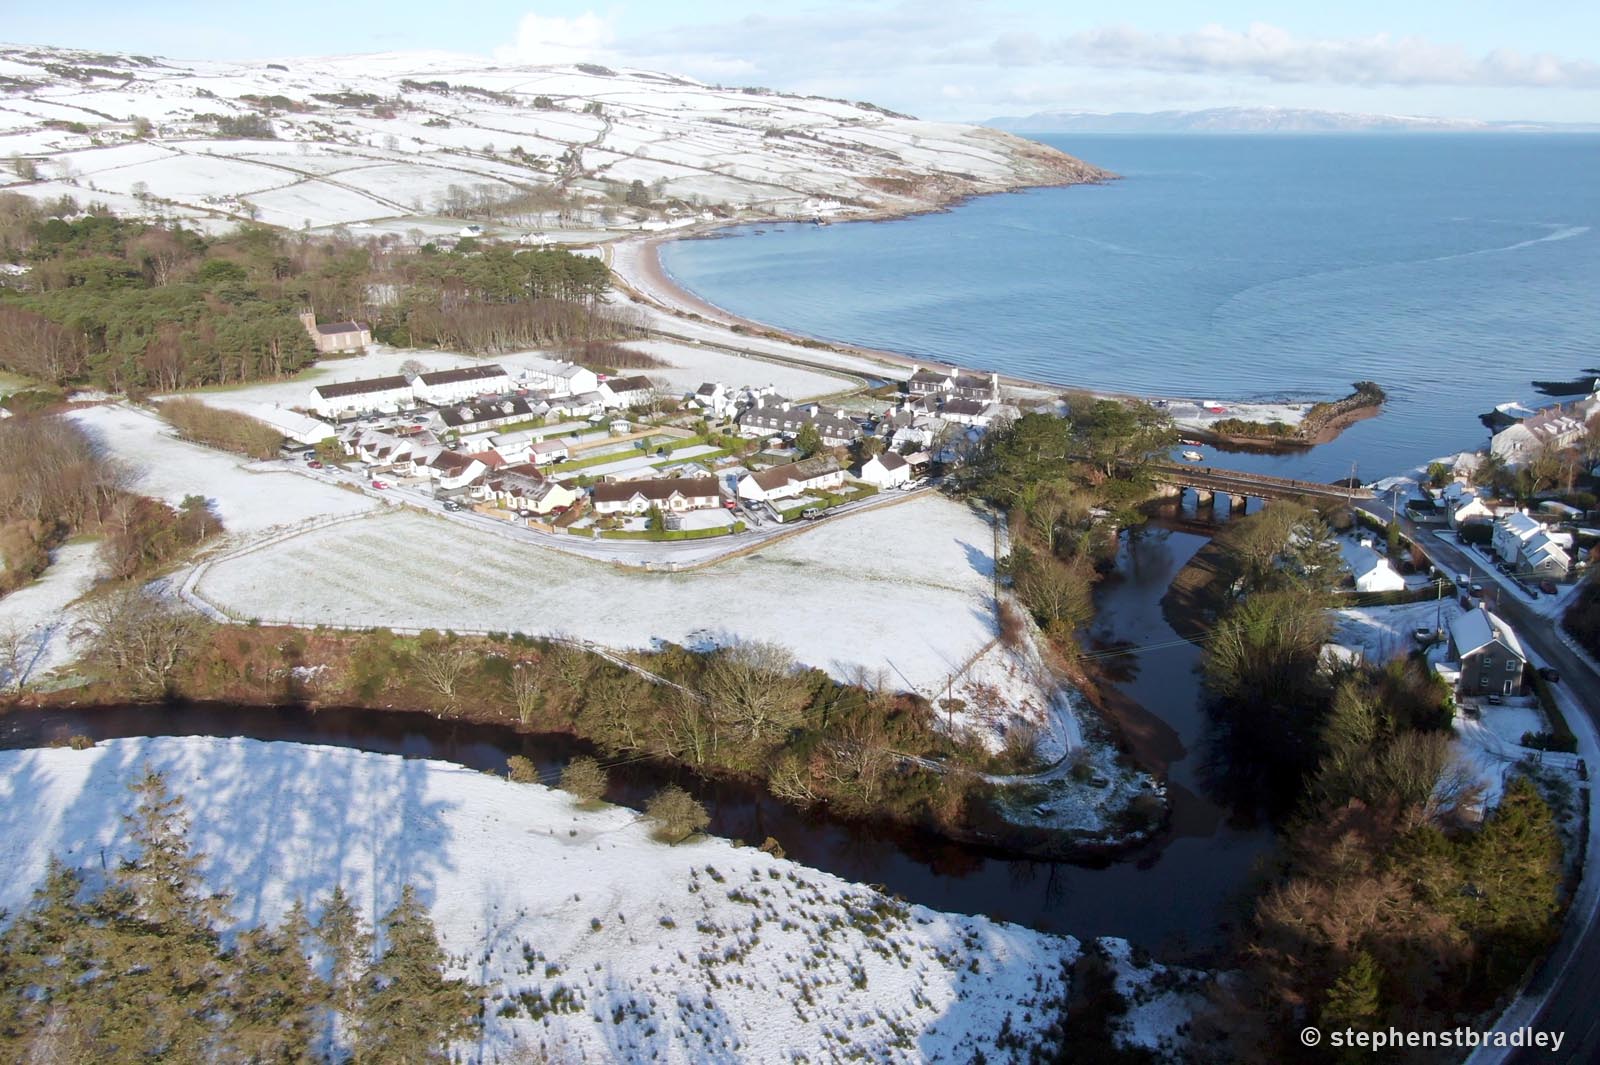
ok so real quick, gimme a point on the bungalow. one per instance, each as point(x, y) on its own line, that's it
point(820, 472)
point(1511, 532)
point(1542, 556)
point(1491, 657)
point(335, 336)
point(469, 417)
point(627, 391)
point(349, 398)
point(297, 427)
point(667, 493)
point(1373, 573)
point(579, 405)
point(545, 452)
point(441, 387)
point(969, 412)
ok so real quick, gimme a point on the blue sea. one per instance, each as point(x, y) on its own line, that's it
point(1451, 269)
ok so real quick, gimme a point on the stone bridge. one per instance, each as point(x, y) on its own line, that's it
point(1208, 481)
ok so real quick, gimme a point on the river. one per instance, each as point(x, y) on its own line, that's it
point(1177, 896)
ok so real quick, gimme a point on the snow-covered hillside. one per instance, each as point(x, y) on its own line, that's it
point(365, 139)
point(602, 944)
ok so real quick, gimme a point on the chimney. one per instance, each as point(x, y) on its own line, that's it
point(994, 384)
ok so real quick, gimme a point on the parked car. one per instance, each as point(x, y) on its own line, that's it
point(380, 484)
point(451, 504)
point(1495, 699)
point(1477, 589)
point(812, 513)
point(1547, 587)
point(313, 464)
point(1422, 634)
point(1550, 675)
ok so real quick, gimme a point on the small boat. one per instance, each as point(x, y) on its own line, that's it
point(1194, 456)
point(818, 220)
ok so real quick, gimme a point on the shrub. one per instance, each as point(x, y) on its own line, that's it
point(522, 770)
point(585, 779)
point(676, 813)
point(224, 429)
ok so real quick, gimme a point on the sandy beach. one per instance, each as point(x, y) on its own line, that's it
point(636, 263)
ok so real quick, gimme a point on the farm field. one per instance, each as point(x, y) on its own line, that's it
point(900, 591)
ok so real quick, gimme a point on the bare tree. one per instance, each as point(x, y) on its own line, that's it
point(527, 689)
point(15, 656)
point(141, 638)
point(442, 666)
point(757, 688)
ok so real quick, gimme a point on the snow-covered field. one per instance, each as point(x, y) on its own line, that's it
point(699, 952)
point(900, 591)
point(43, 610)
point(245, 498)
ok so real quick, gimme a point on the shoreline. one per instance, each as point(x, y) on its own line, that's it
point(640, 274)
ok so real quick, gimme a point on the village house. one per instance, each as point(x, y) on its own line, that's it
point(890, 470)
point(669, 494)
point(346, 399)
point(579, 405)
point(1511, 532)
point(976, 387)
point(973, 412)
point(1373, 573)
point(1543, 557)
point(545, 452)
point(930, 382)
point(300, 428)
point(559, 378)
point(1558, 426)
point(818, 473)
point(775, 416)
point(624, 392)
point(453, 470)
point(1486, 653)
point(442, 387)
point(523, 490)
point(469, 417)
point(335, 336)
point(1474, 509)
point(715, 399)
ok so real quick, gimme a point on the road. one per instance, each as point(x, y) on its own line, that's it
point(1561, 995)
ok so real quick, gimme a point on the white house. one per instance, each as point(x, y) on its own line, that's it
point(297, 427)
point(716, 399)
point(1558, 426)
point(345, 399)
point(471, 416)
point(818, 473)
point(524, 490)
point(578, 405)
point(559, 378)
point(1373, 572)
point(544, 452)
point(1474, 509)
point(1511, 532)
point(1543, 556)
point(975, 412)
point(464, 382)
point(675, 494)
point(622, 392)
point(453, 470)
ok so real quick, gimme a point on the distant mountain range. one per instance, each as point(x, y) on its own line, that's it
point(1262, 120)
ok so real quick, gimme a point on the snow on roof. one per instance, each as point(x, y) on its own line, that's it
point(1520, 525)
point(1473, 630)
point(291, 423)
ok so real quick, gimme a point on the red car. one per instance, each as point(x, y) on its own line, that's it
point(380, 484)
point(313, 465)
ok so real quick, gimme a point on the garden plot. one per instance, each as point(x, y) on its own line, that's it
point(1383, 633)
point(899, 591)
point(699, 952)
point(246, 499)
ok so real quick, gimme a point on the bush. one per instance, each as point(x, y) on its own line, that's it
point(676, 813)
point(224, 429)
point(521, 770)
point(585, 779)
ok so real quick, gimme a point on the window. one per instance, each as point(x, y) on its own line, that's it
point(1511, 665)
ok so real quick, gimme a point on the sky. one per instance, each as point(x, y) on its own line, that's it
point(945, 59)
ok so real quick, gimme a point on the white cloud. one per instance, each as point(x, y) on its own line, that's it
point(551, 39)
point(1272, 53)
